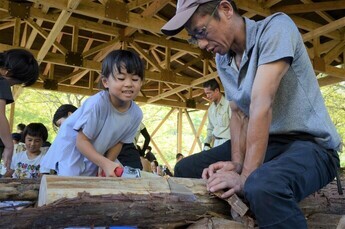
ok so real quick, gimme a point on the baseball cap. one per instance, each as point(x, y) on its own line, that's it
point(184, 11)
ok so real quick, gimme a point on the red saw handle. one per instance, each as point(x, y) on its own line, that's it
point(118, 172)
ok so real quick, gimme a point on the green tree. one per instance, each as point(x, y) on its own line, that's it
point(334, 96)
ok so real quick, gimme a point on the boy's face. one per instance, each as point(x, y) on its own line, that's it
point(123, 87)
point(33, 144)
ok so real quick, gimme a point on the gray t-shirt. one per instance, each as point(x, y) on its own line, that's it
point(102, 124)
point(298, 106)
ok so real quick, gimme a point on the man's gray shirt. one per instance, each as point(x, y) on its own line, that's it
point(298, 105)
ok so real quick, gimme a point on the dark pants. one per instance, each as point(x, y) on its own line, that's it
point(129, 156)
point(292, 170)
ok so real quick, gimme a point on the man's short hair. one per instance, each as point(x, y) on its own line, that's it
point(212, 84)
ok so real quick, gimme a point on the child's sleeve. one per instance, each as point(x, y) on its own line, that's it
point(89, 121)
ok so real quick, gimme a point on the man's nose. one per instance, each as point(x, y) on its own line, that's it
point(202, 43)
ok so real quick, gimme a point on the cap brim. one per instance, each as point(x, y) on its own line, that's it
point(176, 24)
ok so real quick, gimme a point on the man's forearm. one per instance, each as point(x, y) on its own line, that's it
point(257, 140)
point(238, 130)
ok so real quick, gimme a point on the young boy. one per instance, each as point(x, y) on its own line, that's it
point(26, 164)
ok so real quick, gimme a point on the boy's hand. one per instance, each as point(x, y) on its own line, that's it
point(108, 170)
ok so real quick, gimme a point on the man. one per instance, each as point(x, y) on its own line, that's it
point(218, 128)
point(283, 142)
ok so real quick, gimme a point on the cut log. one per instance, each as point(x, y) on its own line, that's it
point(219, 223)
point(325, 221)
point(19, 189)
point(327, 201)
point(134, 200)
point(92, 201)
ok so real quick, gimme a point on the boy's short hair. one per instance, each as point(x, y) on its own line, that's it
point(21, 65)
point(179, 155)
point(21, 126)
point(16, 136)
point(36, 130)
point(122, 58)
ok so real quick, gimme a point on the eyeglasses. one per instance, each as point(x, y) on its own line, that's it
point(202, 33)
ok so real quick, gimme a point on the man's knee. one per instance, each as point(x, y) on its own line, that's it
point(258, 189)
point(177, 169)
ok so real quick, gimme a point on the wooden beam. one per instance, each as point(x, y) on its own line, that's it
point(181, 88)
point(146, 56)
point(95, 10)
point(59, 24)
point(192, 126)
point(37, 28)
point(179, 130)
point(203, 121)
point(334, 53)
point(340, 23)
point(311, 7)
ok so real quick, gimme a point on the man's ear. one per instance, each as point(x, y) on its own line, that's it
point(226, 8)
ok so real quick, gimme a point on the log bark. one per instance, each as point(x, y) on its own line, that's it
point(146, 203)
point(326, 205)
point(19, 189)
point(326, 201)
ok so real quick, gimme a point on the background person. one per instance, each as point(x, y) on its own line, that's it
point(283, 142)
point(17, 66)
point(62, 113)
point(219, 113)
point(26, 164)
point(179, 157)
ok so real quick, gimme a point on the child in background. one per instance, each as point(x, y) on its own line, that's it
point(63, 112)
point(19, 146)
point(26, 164)
point(17, 66)
point(103, 123)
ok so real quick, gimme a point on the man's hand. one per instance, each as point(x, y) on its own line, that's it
point(226, 180)
point(221, 166)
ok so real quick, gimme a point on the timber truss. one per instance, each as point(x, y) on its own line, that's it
point(70, 38)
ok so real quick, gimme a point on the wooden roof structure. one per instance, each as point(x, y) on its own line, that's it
point(70, 38)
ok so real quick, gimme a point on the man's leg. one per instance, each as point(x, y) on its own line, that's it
point(274, 189)
point(193, 165)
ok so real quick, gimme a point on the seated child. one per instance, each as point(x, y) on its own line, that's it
point(18, 145)
point(103, 123)
point(26, 164)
